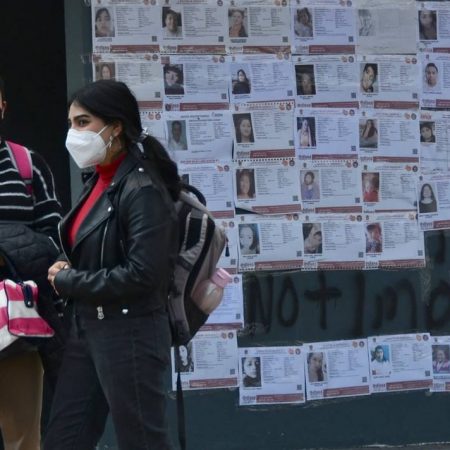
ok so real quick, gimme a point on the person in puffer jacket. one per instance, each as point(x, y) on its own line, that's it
point(28, 236)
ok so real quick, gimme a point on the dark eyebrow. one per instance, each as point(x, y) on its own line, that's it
point(80, 116)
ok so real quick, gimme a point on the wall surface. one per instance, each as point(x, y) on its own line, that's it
point(298, 307)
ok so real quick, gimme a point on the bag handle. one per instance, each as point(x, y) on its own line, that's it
point(196, 192)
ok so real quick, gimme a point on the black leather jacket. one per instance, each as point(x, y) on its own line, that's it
point(122, 260)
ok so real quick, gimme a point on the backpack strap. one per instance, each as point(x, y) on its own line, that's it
point(181, 419)
point(22, 159)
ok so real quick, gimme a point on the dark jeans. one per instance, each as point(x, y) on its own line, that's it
point(117, 365)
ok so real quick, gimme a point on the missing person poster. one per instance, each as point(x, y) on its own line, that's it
point(336, 369)
point(440, 354)
point(400, 362)
point(271, 375)
point(208, 361)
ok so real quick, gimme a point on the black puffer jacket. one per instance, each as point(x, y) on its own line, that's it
point(125, 248)
point(30, 253)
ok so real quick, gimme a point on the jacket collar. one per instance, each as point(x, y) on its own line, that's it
point(102, 208)
point(127, 165)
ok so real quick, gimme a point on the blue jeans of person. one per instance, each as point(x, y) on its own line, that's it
point(113, 365)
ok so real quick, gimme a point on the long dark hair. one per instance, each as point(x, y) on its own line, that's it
point(113, 101)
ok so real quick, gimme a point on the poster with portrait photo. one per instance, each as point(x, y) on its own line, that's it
point(433, 26)
point(208, 135)
point(433, 201)
point(201, 28)
point(142, 75)
point(389, 81)
point(388, 184)
point(388, 133)
point(269, 242)
point(214, 361)
point(312, 240)
point(267, 186)
point(434, 80)
point(440, 348)
point(261, 77)
point(195, 82)
point(434, 141)
point(331, 80)
point(214, 180)
point(264, 130)
point(393, 241)
point(336, 369)
point(333, 131)
point(400, 362)
point(385, 29)
point(257, 24)
point(330, 185)
point(134, 28)
point(337, 37)
point(333, 241)
point(271, 375)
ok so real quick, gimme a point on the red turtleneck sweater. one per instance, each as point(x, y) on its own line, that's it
point(105, 176)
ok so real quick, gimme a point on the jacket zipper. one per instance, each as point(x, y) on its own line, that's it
point(63, 300)
point(103, 243)
point(62, 245)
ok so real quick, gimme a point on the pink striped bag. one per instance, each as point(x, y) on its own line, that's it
point(18, 313)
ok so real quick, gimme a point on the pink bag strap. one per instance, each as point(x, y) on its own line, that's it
point(22, 158)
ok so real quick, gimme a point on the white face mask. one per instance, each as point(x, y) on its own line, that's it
point(86, 147)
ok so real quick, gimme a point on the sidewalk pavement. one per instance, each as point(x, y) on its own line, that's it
point(442, 446)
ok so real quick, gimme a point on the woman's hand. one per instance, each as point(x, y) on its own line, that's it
point(54, 269)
